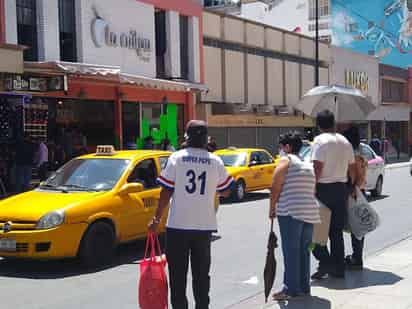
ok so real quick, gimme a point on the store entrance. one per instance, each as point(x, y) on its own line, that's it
point(130, 124)
point(78, 126)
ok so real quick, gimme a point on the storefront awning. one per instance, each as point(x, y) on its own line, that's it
point(160, 83)
point(395, 112)
point(112, 72)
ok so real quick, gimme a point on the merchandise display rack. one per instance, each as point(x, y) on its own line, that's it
point(35, 119)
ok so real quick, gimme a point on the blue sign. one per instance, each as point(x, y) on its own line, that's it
point(381, 28)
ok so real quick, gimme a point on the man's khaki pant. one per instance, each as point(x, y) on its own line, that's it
point(321, 230)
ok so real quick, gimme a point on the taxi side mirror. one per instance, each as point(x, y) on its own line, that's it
point(131, 188)
point(253, 163)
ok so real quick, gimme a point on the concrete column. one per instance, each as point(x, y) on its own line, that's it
point(172, 56)
point(10, 14)
point(48, 30)
point(79, 10)
point(194, 50)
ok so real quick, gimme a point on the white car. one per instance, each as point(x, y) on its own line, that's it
point(375, 172)
point(410, 166)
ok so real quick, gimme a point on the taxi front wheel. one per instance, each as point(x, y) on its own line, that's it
point(97, 246)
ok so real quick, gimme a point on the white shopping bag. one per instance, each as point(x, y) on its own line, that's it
point(362, 218)
point(321, 230)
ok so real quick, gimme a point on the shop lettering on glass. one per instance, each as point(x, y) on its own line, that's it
point(358, 80)
point(103, 35)
point(33, 83)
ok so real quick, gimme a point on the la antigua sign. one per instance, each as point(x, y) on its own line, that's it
point(102, 35)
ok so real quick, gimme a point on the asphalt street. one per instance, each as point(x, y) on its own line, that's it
point(238, 256)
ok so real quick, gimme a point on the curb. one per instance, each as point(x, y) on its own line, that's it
point(405, 238)
point(397, 165)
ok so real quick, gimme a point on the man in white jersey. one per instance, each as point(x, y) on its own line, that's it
point(332, 158)
point(191, 179)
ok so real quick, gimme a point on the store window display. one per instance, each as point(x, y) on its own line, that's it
point(80, 125)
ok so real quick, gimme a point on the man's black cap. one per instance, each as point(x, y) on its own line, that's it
point(196, 133)
point(196, 128)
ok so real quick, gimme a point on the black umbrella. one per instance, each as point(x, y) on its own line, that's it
point(270, 266)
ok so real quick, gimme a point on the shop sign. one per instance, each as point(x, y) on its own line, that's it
point(35, 84)
point(358, 80)
point(102, 35)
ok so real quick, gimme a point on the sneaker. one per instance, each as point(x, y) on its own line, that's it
point(319, 275)
point(352, 263)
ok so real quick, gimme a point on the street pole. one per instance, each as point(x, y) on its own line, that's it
point(317, 43)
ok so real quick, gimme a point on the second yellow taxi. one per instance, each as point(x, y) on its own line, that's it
point(252, 169)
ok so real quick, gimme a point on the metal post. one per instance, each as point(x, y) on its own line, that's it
point(317, 43)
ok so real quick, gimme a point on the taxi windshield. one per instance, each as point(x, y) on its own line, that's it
point(87, 175)
point(234, 160)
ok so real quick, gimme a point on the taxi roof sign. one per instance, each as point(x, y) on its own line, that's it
point(105, 150)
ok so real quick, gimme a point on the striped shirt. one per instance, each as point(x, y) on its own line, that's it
point(297, 198)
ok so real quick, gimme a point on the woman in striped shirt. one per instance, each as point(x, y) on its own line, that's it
point(293, 202)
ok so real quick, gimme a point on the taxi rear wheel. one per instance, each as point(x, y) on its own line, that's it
point(239, 191)
point(97, 246)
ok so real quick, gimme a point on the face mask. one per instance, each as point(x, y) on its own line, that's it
point(282, 153)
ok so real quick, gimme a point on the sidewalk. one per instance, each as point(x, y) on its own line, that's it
point(385, 283)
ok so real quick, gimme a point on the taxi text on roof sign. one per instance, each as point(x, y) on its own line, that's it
point(105, 150)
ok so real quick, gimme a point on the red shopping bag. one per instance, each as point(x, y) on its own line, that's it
point(153, 288)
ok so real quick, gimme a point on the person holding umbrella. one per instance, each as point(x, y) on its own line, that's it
point(293, 202)
point(333, 159)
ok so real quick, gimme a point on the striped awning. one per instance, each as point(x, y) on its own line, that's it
point(113, 73)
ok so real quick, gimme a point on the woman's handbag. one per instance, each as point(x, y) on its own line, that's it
point(153, 287)
point(362, 218)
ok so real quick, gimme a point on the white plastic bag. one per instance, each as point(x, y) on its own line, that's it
point(362, 218)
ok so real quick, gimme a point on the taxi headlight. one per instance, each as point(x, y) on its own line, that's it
point(50, 220)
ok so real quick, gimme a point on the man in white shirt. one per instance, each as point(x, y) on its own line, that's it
point(333, 159)
point(191, 179)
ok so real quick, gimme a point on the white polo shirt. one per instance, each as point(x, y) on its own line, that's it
point(195, 175)
point(336, 153)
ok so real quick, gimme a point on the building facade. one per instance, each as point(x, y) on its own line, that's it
point(103, 53)
point(291, 15)
point(391, 119)
point(256, 74)
point(376, 28)
point(97, 72)
point(11, 56)
point(379, 28)
point(358, 71)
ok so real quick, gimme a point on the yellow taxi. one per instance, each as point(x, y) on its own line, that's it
point(90, 205)
point(252, 169)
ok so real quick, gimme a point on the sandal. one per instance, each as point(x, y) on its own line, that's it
point(281, 296)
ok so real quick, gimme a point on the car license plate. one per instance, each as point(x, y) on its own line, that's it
point(7, 244)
